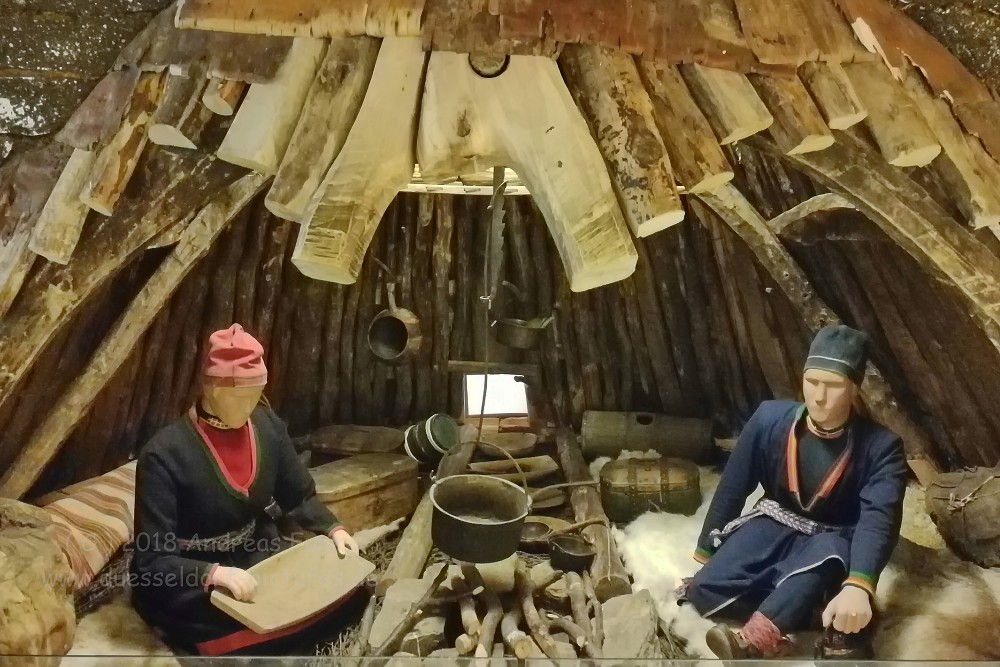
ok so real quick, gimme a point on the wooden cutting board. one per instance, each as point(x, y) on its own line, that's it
point(515, 444)
point(296, 584)
point(534, 467)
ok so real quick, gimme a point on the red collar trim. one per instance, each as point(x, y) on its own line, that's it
point(833, 476)
point(245, 490)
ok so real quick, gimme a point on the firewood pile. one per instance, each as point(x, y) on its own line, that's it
point(456, 612)
point(428, 604)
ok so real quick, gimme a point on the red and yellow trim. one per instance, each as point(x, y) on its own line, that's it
point(862, 581)
point(833, 476)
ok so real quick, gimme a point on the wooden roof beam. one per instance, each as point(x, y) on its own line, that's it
point(525, 118)
point(116, 161)
point(195, 242)
point(607, 88)
point(729, 102)
point(58, 228)
point(304, 18)
point(805, 211)
point(329, 112)
point(699, 164)
point(180, 115)
point(834, 95)
point(730, 205)
point(26, 184)
point(264, 123)
point(223, 96)
point(798, 126)
point(374, 164)
point(898, 127)
point(779, 32)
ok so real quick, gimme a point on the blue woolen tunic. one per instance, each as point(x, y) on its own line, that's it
point(861, 500)
point(182, 493)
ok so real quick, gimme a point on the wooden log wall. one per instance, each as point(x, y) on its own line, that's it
point(660, 341)
point(939, 363)
point(701, 329)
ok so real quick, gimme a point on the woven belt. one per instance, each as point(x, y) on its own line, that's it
point(768, 507)
point(225, 542)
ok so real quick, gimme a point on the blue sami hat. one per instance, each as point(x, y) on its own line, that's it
point(840, 349)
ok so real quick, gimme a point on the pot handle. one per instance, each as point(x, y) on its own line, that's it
point(578, 526)
point(390, 288)
point(524, 478)
point(590, 482)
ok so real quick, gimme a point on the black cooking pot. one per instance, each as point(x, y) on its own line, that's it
point(571, 553)
point(478, 519)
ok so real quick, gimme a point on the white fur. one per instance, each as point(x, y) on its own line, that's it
point(927, 594)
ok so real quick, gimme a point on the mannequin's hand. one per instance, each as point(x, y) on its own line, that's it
point(239, 582)
point(850, 611)
point(344, 541)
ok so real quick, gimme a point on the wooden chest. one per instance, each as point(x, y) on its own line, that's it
point(368, 490)
point(630, 487)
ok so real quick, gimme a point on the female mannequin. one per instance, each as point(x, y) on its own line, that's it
point(206, 487)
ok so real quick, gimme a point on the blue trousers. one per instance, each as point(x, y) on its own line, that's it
point(767, 567)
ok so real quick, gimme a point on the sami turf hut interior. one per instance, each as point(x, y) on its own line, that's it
point(692, 190)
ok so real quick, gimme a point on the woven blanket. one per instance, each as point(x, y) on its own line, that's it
point(94, 520)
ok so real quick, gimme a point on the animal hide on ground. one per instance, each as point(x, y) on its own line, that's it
point(934, 606)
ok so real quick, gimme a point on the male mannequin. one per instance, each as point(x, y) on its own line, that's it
point(205, 490)
point(830, 517)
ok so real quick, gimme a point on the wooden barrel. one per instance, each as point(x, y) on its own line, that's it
point(630, 487)
point(611, 433)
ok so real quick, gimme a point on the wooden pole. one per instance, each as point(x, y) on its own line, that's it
point(114, 350)
point(609, 574)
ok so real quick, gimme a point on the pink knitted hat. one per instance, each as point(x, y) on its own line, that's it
point(235, 359)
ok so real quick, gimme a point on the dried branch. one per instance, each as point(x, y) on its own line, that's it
point(465, 643)
point(488, 632)
point(517, 641)
point(539, 630)
point(578, 605)
point(597, 625)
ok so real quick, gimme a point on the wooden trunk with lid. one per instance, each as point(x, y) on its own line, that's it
point(368, 490)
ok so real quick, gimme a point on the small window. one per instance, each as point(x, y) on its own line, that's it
point(504, 396)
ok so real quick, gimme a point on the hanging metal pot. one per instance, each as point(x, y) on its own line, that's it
point(394, 334)
point(480, 518)
point(521, 334)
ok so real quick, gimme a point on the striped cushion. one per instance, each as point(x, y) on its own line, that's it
point(94, 521)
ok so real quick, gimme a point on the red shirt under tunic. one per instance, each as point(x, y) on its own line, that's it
point(232, 448)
